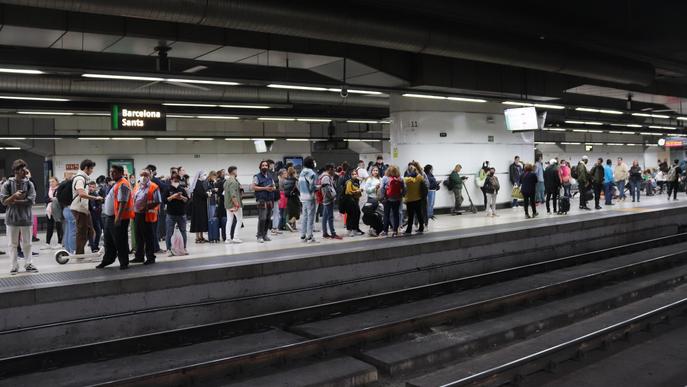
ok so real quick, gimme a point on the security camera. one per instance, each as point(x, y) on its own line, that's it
point(344, 92)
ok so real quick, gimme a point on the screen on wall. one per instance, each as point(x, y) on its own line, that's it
point(138, 117)
point(524, 118)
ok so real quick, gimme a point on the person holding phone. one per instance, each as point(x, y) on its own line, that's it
point(18, 194)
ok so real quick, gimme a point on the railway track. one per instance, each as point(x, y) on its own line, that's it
point(358, 330)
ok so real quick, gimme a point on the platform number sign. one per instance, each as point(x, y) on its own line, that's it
point(413, 124)
point(138, 117)
point(490, 138)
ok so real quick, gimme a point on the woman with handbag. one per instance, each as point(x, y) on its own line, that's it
point(480, 178)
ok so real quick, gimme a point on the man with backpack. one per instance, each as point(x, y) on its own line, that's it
point(18, 194)
point(307, 187)
point(79, 206)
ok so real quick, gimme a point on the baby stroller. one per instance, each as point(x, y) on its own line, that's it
point(373, 215)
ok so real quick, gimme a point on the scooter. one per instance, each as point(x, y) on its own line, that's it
point(472, 208)
point(63, 256)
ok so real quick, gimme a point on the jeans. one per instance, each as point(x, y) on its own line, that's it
point(608, 193)
point(598, 188)
point(491, 203)
point(530, 201)
point(328, 219)
point(96, 219)
point(144, 238)
point(540, 192)
point(415, 208)
point(234, 219)
point(170, 222)
point(621, 188)
point(672, 189)
point(552, 196)
point(308, 217)
point(276, 215)
point(635, 188)
point(392, 215)
point(566, 190)
point(69, 237)
point(457, 199)
point(264, 212)
point(431, 198)
point(13, 233)
point(282, 218)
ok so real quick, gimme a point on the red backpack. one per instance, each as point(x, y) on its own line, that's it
point(319, 198)
point(394, 188)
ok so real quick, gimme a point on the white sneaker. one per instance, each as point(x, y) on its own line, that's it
point(260, 240)
point(352, 233)
point(236, 241)
point(313, 240)
point(170, 253)
point(47, 247)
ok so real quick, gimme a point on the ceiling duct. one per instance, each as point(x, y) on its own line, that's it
point(354, 26)
point(115, 89)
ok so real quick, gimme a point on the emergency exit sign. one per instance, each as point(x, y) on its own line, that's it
point(138, 117)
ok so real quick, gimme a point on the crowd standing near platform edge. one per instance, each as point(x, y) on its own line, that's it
point(142, 211)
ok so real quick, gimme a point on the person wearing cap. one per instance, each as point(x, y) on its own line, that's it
point(583, 182)
point(552, 185)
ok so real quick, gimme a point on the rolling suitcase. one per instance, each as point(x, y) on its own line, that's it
point(563, 205)
point(213, 230)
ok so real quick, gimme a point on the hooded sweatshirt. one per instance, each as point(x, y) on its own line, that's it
point(19, 214)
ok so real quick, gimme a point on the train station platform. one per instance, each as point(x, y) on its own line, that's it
point(75, 304)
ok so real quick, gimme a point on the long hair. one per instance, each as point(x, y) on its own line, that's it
point(393, 171)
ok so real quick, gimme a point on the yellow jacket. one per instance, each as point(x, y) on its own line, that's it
point(413, 188)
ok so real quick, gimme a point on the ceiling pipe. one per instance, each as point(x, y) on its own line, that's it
point(53, 85)
point(354, 27)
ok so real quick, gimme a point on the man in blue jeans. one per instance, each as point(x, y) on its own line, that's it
point(307, 187)
point(328, 196)
point(608, 182)
point(176, 198)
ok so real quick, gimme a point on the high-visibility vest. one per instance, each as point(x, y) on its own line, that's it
point(151, 213)
point(129, 210)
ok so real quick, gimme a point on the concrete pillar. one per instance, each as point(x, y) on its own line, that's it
point(445, 133)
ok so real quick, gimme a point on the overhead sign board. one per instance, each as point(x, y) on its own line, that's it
point(138, 117)
point(672, 142)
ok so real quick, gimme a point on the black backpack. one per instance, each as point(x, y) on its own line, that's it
point(63, 193)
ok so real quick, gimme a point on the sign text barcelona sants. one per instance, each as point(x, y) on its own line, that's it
point(138, 117)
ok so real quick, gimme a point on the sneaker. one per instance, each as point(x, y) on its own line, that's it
point(34, 239)
point(384, 233)
point(260, 240)
point(14, 270)
point(30, 268)
point(170, 253)
point(352, 233)
point(236, 241)
point(267, 239)
point(47, 247)
point(394, 234)
point(20, 254)
point(335, 236)
point(326, 236)
point(420, 231)
point(312, 240)
point(34, 253)
point(358, 232)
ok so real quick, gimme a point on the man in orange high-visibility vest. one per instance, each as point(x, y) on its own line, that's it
point(119, 211)
point(146, 204)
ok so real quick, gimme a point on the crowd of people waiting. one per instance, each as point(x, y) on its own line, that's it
point(134, 213)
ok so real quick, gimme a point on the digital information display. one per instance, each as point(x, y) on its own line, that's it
point(518, 119)
point(138, 117)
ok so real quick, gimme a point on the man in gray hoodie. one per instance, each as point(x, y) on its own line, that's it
point(18, 194)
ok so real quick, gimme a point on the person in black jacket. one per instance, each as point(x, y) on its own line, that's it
point(597, 176)
point(514, 174)
point(220, 211)
point(432, 191)
point(528, 187)
point(552, 185)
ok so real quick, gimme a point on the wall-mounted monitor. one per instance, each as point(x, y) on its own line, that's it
point(519, 119)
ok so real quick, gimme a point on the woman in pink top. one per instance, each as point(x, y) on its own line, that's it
point(564, 174)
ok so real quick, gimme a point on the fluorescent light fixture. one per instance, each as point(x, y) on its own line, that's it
point(94, 138)
point(237, 139)
point(47, 113)
point(650, 134)
point(614, 144)
point(580, 130)
point(276, 119)
point(45, 138)
point(362, 122)
point(92, 114)
point(199, 138)
point(574, 122)
point(264, 139)
point(571, 143)
point(539, 105)
point(218, 117)
point(362, 140)
point(584, 123)
point(593, 123)
point(11, 148)
point(34, 98)
point(603, 111)
point(245, 106)
point(12, 138)
point(298, 139)
point(630, 144)
point(21, 71)
point(662, 127)
point(620, 132)
point(384, 122)
point(410, 95)
point(127, 138)
point(462, 99)
point(595, 131)
point(545, 143)
point(634, 126)
point(170, 138)
point(355, 91)
point(189, 104)
point(594, 143)
point(123, 77)
point(682, 118)
point(202, 82)
point(313, 119)
point(650, 115)
point(296, 87)
point(557, 129)
point(179, 116)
